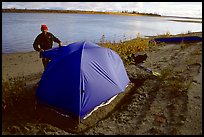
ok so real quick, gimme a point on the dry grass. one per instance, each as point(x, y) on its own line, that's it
point(126, 49)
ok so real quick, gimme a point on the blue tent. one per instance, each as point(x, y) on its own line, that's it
point(81, 76)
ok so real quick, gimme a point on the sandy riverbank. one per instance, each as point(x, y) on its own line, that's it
point(21, 64)
point(168, 106)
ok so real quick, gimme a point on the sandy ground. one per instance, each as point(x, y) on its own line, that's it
point(21, 64)
point(171, 105)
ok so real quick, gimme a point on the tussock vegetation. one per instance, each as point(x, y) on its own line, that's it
point(127, 49)
point(11, 91)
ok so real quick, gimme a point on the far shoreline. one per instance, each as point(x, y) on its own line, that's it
point(77, 12)
point(123, 13)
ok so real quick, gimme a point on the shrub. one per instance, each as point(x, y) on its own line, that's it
point(127, 48)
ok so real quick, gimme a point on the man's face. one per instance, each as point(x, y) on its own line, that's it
point(44, 31)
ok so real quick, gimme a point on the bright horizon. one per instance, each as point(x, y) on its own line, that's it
point(181, 9)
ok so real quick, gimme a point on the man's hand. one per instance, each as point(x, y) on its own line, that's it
point(41, 50)
point(60, 44)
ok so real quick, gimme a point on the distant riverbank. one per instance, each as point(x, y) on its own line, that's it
point(134, 13)
point(125, 13)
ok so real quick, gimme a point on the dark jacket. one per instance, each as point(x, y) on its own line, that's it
point(45, 41)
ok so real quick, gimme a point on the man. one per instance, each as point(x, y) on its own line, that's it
point(44, 41)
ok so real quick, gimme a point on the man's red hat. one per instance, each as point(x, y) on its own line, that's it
point(44, 27)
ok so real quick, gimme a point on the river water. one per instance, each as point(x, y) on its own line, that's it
point(20, 29)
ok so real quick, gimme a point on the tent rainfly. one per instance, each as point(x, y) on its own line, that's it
point(80, 77)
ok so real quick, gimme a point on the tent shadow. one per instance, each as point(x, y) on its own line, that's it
point(48, 116)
